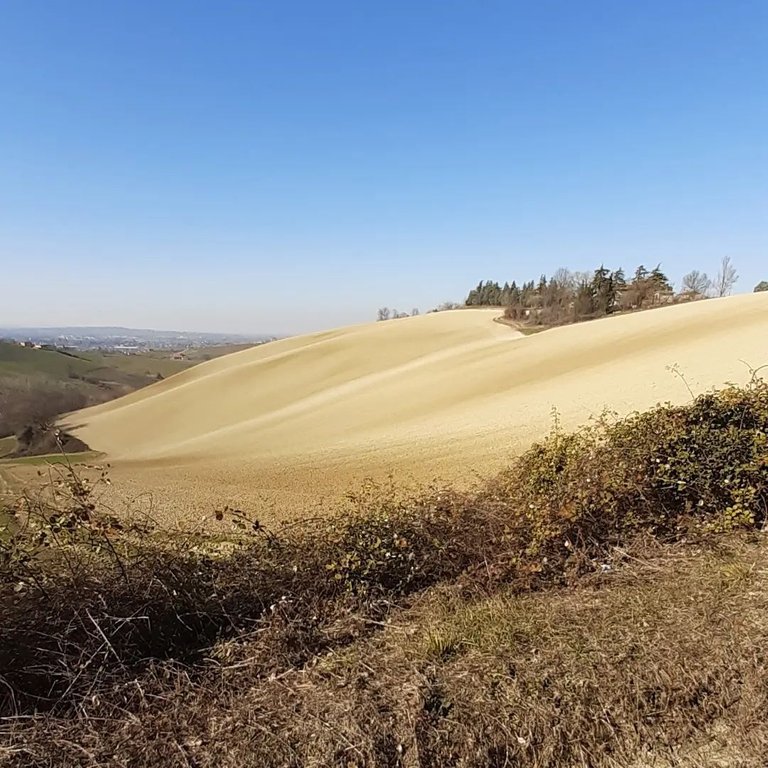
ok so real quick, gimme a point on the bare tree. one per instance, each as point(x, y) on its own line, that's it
point(447, 305)
point(415, 312)
point(35, 400)
point(696, 283)
point(383, 314)
point(726, 277)
point(564, 279)
point(580, 278)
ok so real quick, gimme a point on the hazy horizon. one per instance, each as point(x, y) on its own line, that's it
point(40, 328)
point(278, 169)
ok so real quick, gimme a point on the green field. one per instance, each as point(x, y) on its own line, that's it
point(7, 445)
point(131, 370)
point(15, 359)
point(201, 354)
point(54, 458)
point(114, 367)
point(148, 364)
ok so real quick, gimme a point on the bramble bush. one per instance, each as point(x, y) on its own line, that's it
point(672, 470)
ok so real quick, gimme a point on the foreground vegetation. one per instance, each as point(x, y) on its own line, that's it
point(599, 603)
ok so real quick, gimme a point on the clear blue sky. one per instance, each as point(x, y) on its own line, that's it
point(282, 166)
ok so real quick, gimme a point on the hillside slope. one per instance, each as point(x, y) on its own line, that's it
point(39, 384)
point(126, 370)
point(442, 394)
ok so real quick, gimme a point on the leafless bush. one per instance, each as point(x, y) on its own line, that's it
point(35, 400)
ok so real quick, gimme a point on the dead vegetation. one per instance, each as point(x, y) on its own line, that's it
point(600, 603)
point(26, 400)
point(29, 405)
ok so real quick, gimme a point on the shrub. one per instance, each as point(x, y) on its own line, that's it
point(28, 400)
point(702, 466)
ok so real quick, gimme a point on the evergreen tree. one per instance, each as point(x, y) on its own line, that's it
point(603, 292)
point(659, 280)
point(639, 289)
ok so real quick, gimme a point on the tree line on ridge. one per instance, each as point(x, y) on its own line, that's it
point(569, 296)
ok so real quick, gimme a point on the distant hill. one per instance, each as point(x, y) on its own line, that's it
point(15, 359)
point(132, 371)
point(98, 337)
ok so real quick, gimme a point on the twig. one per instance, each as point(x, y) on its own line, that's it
point(104, 637)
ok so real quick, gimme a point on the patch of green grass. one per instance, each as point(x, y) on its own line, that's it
point(532, 330)
point(7, 445)
point(15, 359)
point(134, 370)
point(55, 458)
point(73, 369)
point(202, 354)
point(148, 364)
point(526, 330)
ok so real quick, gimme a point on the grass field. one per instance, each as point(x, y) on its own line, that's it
point(15, 359)
point(148, 364)
point(21, 474)
point(7, 445)
point(82, 457)
point(203, 354)
point(133, 369)
point(96, 366)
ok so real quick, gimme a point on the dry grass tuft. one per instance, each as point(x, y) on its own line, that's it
point(659, 662)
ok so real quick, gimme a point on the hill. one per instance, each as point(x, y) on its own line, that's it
point(15, 359)
point(441, 395)
point(109, 337)
point(37, 384)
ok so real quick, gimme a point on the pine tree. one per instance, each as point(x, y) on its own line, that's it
point(603, 291)
point(659, 280)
